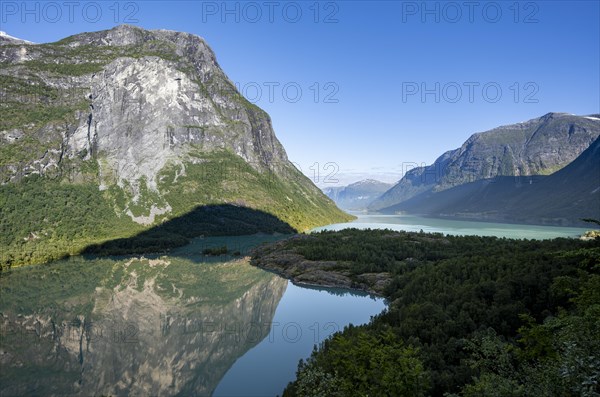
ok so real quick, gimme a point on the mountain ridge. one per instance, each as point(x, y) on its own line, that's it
point(562, 198)
point(539, 146)
point(6, 37)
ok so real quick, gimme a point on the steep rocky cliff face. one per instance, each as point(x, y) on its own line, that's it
point(143, 99)
point(540, 146)
point(151, 120)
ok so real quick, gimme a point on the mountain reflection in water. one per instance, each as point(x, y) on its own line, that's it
point(135, 326)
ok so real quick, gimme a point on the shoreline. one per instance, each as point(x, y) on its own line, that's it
point(316, 285)
point(479, 227)
point(326, 274)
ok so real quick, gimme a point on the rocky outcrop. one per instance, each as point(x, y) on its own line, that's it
point(278, 258)
point(147, 110)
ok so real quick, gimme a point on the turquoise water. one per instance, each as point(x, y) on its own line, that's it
point(304, 317)
point(414, 223)
point(182, 324)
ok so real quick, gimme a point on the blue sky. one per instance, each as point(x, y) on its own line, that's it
point(384, 85)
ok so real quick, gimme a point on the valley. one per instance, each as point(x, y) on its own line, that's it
point(158, 239)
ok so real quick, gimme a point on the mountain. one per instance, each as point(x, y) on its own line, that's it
point(536, 147)
point(563, 198)
point(104, 134)
point(358, 195)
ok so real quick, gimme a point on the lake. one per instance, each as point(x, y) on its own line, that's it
point(182, 324)
point(413, 223)
point(186, 323)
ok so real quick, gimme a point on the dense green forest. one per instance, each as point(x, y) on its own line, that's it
point(468, 316)
point(43, 219)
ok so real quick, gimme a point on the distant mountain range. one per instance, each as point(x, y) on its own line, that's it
point(358, 195)
point(543, 171)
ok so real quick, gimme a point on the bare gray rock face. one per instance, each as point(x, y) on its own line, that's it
point(131, 101)
point(146, 112)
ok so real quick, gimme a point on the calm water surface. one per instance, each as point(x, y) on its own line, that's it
point(303, 318)
point(182, 324)
point(414, 223)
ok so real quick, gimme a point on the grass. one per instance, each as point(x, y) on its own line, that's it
point(225, 177)
point(67, 69)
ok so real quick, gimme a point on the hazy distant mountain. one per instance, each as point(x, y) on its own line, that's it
point(358, 195)
point(562, 198)
point(536, 147)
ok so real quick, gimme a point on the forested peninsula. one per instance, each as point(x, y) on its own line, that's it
point(468, 315)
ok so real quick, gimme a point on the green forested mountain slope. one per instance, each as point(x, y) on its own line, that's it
point(104, 134)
